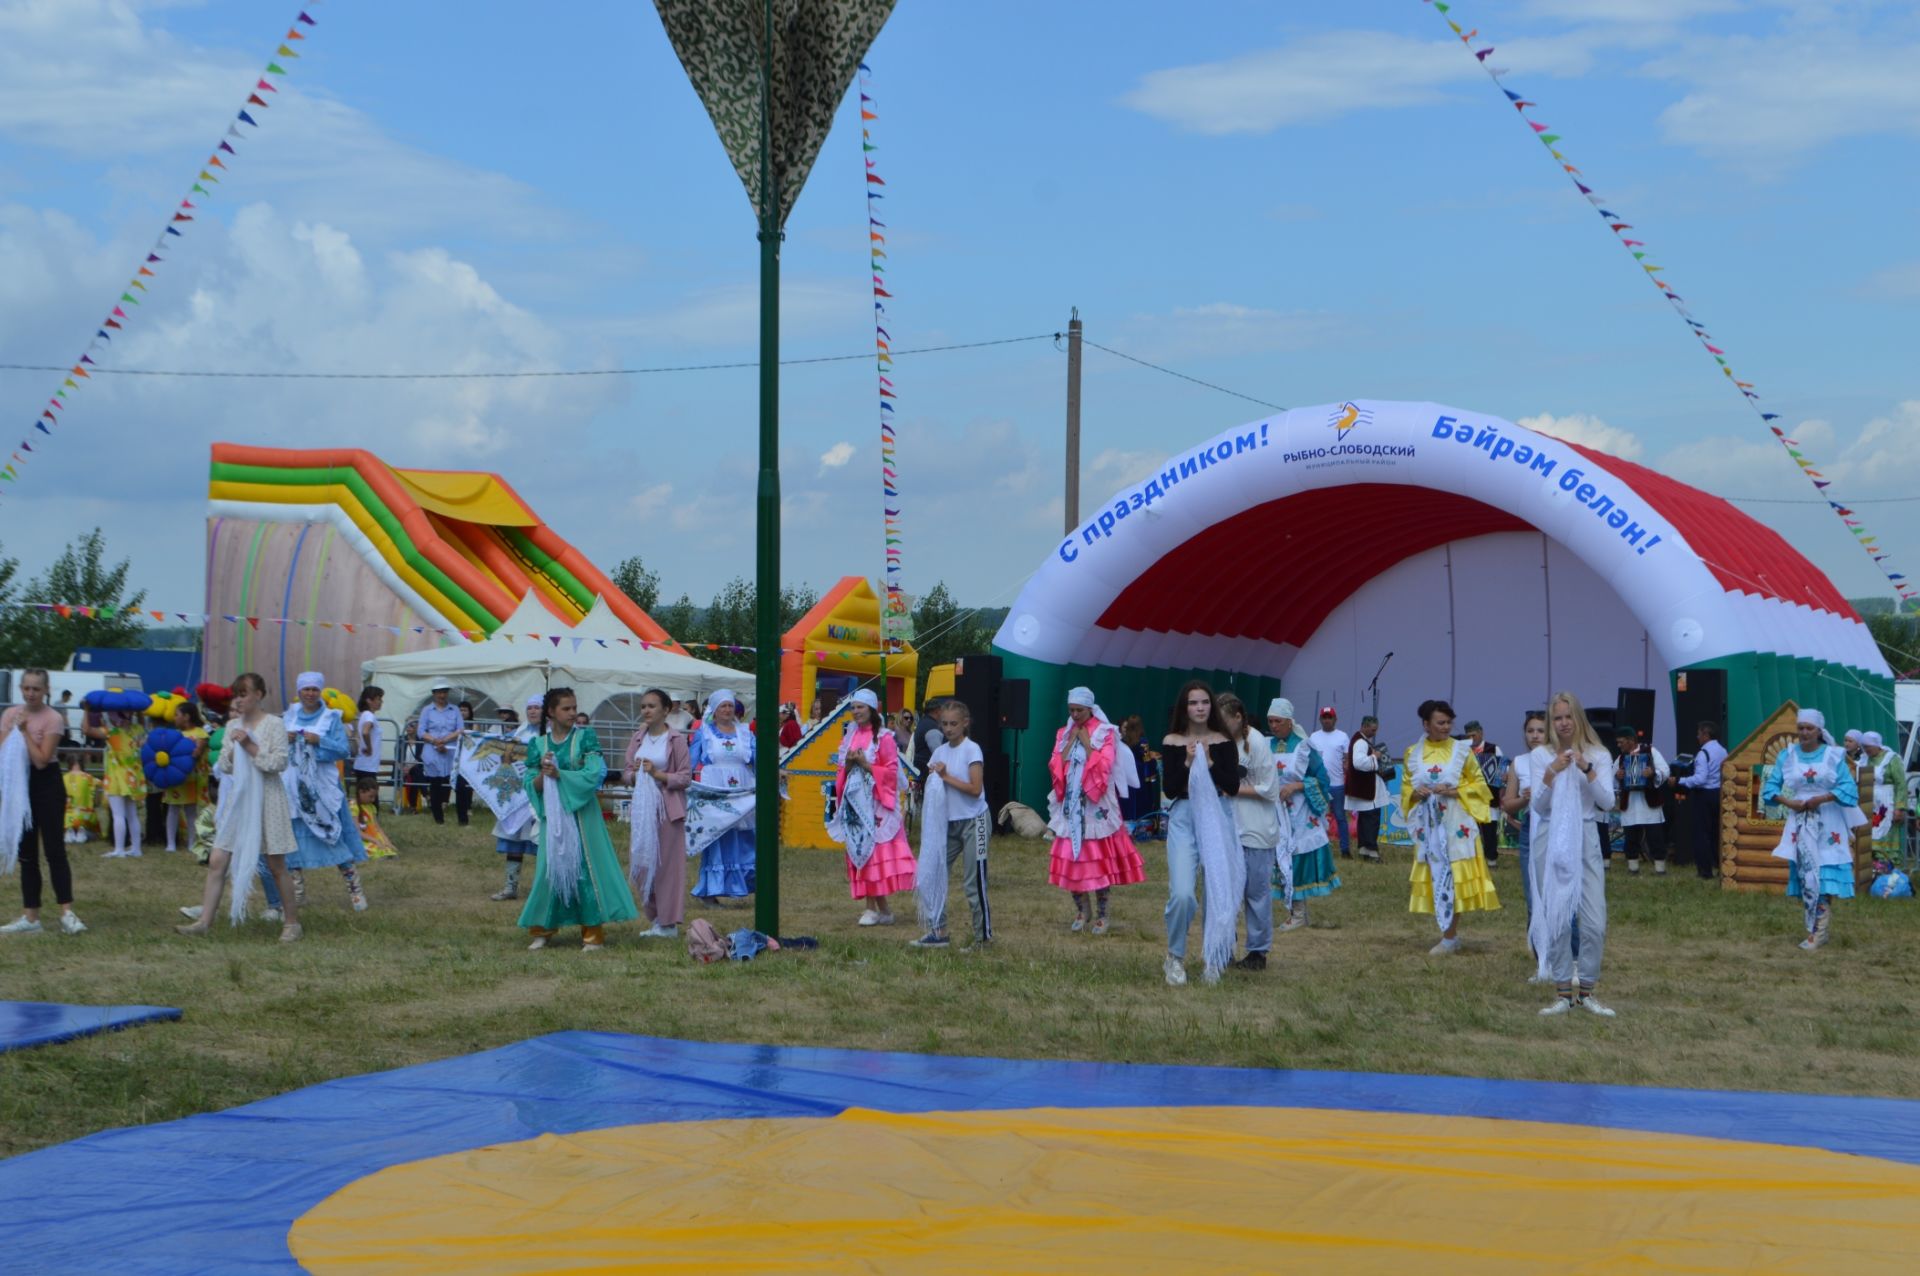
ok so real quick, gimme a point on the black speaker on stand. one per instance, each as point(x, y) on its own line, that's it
point(1634, 708)
point(980, 683)
point(1699, 695)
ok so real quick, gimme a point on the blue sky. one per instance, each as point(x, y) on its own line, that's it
point(1302, 202)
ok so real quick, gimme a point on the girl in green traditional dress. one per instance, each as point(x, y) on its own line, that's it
point(580, 881)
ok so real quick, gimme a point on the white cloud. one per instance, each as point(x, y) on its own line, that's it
point(1114, 469)
point(1639, 12)
point(1225, 329)
point(1588, 431)
point(650, 502)
point(1325, 75)
point(1877, 459)
point(836, 456)
point(1763, 103)
point(1898, 282)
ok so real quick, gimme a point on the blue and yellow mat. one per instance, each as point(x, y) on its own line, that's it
point(603, 1152)
point(44, 1023)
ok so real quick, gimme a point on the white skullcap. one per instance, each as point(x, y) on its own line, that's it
point(1872, 740)
point(1281, 708)
point(317, 681)
point(536, 700)
point(722, 696)
point(1082, 696)
point(1851, 735)
point(867, 698)
point(1813, 718)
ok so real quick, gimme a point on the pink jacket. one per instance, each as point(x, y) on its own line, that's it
point(1099, 767)
point(886, 765)
point(678, 775)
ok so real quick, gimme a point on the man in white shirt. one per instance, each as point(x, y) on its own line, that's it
point(1641, 775)
point(1331, 744)
point(1704, 799)
point(1366, 788)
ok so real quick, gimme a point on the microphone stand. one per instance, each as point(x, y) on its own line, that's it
point(1373, 688)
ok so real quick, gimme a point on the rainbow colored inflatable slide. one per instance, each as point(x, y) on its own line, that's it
point(322, 558)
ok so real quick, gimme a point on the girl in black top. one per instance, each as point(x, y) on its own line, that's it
point(1200, 833)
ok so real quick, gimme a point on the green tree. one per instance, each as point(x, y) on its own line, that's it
point(795, 602)
point(1899, 639)
point(80, 582)
point(730, 622)
point(637, 583)
point(681, 621)
point(9, 622)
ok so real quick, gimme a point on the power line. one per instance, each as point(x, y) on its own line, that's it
point(1183, 376)
point(498, 376)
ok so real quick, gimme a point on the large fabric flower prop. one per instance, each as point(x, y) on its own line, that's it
point(166, 757)
point(214, 696)
point(117, 700)
point(334, 698)
point(164, 703)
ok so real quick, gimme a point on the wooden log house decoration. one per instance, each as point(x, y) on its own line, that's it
point(1749, 831)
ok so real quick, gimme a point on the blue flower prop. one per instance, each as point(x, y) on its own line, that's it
point(167, 758)
point(117, 700)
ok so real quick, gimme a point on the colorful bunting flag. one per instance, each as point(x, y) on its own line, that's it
point(182, 215)
point(894, 611)
point(1910, 600)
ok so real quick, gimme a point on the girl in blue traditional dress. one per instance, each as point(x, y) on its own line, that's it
point(324, 830)
point(1813, 780)
point(720, 802)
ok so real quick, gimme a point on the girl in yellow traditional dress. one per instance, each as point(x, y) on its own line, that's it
point(183, 799)
point(126, 782)
point(1445, 799)
point(83, 820)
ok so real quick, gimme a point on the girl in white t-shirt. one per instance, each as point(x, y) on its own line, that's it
point(954, 828)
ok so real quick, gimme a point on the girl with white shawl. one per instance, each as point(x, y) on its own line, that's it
point(252, 819)
point(1202, 773)
point(1572, 785)
point(1814, 781)
point(866, 814)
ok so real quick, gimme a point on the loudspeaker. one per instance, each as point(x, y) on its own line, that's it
point(977, 682)
point(1634, 708)
point(1601, 716)
point(1014, 706)
point(1699, 695)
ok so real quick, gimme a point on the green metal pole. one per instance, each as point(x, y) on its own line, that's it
point(766, 773)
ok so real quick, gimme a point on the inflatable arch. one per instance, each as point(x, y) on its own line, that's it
point(1495, 563)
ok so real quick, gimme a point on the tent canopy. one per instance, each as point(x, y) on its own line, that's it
point(531, 651)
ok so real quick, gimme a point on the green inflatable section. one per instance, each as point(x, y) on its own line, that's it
point(1758, 682)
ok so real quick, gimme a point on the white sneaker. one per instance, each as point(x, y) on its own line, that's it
point(1295, 920)
point(1537, 978)
point(23, 926)
point(886, 919)
point(1592, 1005)
point(1176, 972)
point(359, 901)
point(1560, 1006)
point(72, 925)
point(537, 944)
point(1209, 976)
point(1445, 948)
point(191, 912)
point(870, 918)
point(266, 915)
point(658, 931)
point(1633, 867)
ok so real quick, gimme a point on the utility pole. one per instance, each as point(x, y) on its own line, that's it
point(1073, 420)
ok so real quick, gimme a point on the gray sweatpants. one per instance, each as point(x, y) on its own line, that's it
point(1590, 918)
point(967, 847)
point(1257, 903)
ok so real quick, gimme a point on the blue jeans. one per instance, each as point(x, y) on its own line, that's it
point(1257, 902)
point(1183, 872)
point(266, 881)
point(1338, 809)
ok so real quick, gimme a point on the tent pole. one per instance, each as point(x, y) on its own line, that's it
point(766, 820)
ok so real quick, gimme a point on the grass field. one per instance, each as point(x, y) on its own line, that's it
point(1711, 990)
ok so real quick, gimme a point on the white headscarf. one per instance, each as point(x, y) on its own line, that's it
point(722, 696)
point(318, 681)
point(1126, 775)
point(1281, 708)
point(1872, 740)
point(1815, 718)
point(866, 697)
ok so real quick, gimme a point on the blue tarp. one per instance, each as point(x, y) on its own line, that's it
point(219, 1192)
point(157, 670)
point(41, 1023)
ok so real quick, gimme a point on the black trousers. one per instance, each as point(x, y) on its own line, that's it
point(1645, 841)
point(437, 787)
point(47, 800)
point(1706, 830)
point(1490, 841)
point(1369, 830)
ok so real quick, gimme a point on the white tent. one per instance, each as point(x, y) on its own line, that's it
point(533, 650)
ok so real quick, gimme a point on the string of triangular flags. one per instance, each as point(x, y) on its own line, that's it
point(178, 224)
point(894, 610)
point(1623, 230)
point(200, 619)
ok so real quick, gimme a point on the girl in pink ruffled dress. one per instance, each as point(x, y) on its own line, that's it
point(1092, 852)
point(866, 818)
